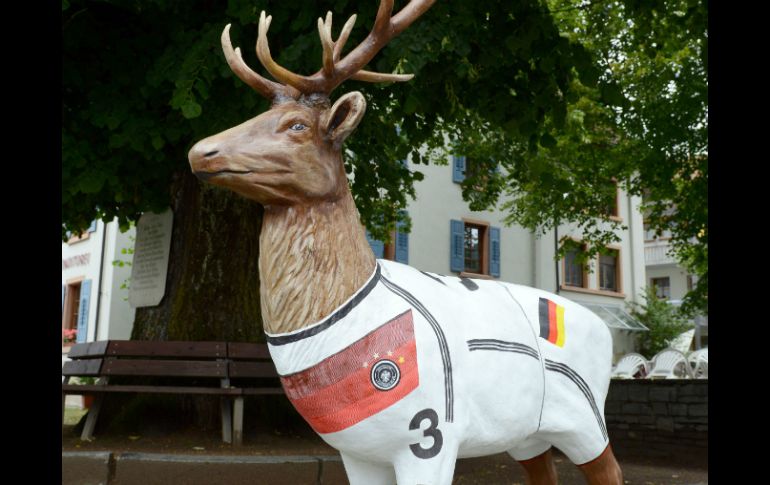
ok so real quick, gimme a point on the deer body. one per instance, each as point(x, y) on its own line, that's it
point(482, 368)
point(400, 370)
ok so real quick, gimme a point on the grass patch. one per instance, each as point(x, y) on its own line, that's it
point(73, 415)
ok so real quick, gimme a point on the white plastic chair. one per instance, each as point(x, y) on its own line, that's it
point(699, 363)
point(629, 365)
point(670, 364)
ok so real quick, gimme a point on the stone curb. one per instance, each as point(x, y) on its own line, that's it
point(132, 468)
point(107, 468)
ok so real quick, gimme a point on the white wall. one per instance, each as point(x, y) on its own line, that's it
point(524, 258)
point(115, 317)
point(118, 314)
point(677, 276)
point(439, 200)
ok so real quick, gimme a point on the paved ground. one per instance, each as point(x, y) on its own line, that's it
point(272, 458)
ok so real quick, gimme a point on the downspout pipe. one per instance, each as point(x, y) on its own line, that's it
point(555, 252)
point(99, 285)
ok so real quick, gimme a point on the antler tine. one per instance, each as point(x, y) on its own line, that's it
point(386, 27)
point(334, 70)
point(265, 87)
point(325, 32)
point(380, 77)
point(303, 84)
point(383, 15)
point(343, 37)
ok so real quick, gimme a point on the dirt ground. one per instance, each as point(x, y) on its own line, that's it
point(493, 470)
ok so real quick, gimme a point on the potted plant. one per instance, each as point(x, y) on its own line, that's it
point(88, 399)
point(69, 335)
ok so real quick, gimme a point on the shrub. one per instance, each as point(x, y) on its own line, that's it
point(663, 321)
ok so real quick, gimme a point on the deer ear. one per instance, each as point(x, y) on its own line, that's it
point(344, 116)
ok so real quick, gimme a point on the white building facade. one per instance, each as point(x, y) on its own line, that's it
point(671, 280)
point(94, 306)
point(448, 238)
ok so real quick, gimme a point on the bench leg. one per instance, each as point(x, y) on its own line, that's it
point(63, 398)
point(227, 420)
point(93, 414)
point(238, 420)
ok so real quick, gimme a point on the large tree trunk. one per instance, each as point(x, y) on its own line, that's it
point(212, 293)
point(212, 288)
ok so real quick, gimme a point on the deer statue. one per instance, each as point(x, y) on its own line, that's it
point(400, 370)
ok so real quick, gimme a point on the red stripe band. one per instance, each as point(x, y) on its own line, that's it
point(338, 392)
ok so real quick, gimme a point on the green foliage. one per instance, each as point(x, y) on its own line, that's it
point(121, 263)
point(144, 80)
point(551, 100)
point(663, 321)
point(644, 125)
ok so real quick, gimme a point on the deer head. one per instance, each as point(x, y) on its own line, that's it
point(291, 154)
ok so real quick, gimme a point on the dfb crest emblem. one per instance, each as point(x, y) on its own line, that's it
point(385, 375)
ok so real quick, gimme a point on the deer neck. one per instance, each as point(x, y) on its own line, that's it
point(312, 259)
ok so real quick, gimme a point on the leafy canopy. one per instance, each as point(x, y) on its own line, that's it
point(144, 80)
point(553, 102)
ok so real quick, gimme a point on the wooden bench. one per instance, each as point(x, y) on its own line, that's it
point(227, 369)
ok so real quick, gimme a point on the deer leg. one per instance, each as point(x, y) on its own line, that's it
point(603, 470)
point(362, 472)
point(540, 470)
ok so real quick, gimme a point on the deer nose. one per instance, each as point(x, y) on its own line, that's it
point(200, 153)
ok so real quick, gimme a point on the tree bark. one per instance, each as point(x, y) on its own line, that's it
point(212, 293)
point(212, 287)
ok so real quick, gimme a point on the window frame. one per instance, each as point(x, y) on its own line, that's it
point(614, 212)
point(652, 283)
point(71, 307)
point(484, 227)
point(566, 286)
point(618, 272)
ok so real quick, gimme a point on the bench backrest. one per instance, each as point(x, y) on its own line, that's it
point(220, 360)
point(247, 360)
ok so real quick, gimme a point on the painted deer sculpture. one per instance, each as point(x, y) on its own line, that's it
point(400, 370)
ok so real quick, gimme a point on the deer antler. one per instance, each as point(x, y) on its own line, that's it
point(265, 87)
point(334, 70)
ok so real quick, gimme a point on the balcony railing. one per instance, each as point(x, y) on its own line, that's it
point(656, 253)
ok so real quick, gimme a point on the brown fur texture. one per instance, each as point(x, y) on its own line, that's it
point(312, 259)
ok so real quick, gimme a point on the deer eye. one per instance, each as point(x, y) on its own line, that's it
point(298, 127)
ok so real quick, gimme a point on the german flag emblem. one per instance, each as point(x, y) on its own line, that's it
point(552, 322)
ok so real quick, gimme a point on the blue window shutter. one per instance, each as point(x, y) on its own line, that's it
point(458, 169)
point(402, 244)
point(457, 248)
point(85, 298)
point(63, 292)
point(377, 246)
point(92, 227)
point(494, 251)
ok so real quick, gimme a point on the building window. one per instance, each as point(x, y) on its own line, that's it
point(396, 250)
point(575, 271)
point(82, 237)
point(474, 248)
point(662, 288)
point(613, 210)
point(649, 233)
point(609, 271)
point(70, 311)
point(475, 239)
point(690, 282)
